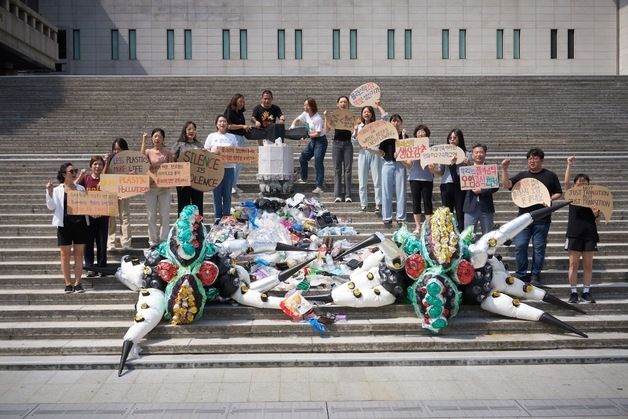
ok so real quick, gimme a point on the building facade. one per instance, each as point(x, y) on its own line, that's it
point(347, 37)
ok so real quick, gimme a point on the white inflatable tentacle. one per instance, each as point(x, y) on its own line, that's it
point(150, 308)
point(504, 305)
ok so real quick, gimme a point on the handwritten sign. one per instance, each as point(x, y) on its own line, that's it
point(442, 154)
point(239, 155)
point(173, 174)
point(374, 133)
point(411, 148)
point(129, 161)
point(483, 177)
point(125, 186)
point(341, 119)
point(528, 192)
point(366, 95)
point(206, 169)
point(92, 203)
point(591, 196)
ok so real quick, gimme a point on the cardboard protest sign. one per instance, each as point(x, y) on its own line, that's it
point(374, 133)
point(411, 148)
point(366, 95)
point(483, 177)
point(442, 154)
point(125, 186)
point(341, 119)
point(206, 169)
point(173, 174)
point(92, 203)
point(239, 155)
point(528, 192)
point(591, 196)
point(129, 161)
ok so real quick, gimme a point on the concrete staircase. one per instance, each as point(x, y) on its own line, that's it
point(49, 120)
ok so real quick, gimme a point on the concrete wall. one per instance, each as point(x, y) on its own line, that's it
point(595, 24)
point(623, 36)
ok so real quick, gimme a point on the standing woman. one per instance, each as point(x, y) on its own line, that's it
point(157, 199)
point(421, 183)
point(236, 125)
point(451, 195)
point(98, 225)
point(582, 239)
point(124, 209)
point(222, 192)
point(317, 144)
point(369, 160)
point(342, 156)
point(72, 230)
point(187, 195)
point(393, 175)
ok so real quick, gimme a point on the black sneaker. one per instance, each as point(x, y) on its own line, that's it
point(573, 298)
point(587, 298)
point(69, 289)
point(91, 274)
point(78, 288)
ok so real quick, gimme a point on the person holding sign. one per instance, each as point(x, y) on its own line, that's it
point(317, 144)
point(393, 175)
point(222, 192)
point(582, 239)
point(537, 231)
point(187, 195)
point(342, 156)
point(124, 209)
point(451, 195)
point(478, 203)
point(421, 183)
point(157, 199)
point(266, 113)
point(236, 125)
point(72, 230)
point(98, 225)
point(369, 160)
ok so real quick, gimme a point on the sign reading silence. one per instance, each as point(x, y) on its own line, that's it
point(411, 148)
point(442, 154)
point(528, 192)
point(374, 133)
point(366, 95)
point(206, 169)
point(481, 176)
point(592, 196)
point(129, 162)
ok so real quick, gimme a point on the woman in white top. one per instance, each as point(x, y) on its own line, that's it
point(317, 144)
point(222, 192)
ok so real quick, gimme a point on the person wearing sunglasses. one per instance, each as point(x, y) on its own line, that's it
point(72, 230)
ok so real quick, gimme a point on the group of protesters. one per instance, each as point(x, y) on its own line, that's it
point(77, 235)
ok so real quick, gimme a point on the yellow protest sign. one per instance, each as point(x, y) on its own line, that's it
point(129, 161)
point(411, 148)
point(173, 174)
point(366, 95)
point(374, 133)
point(206, 169)
point(92, 203)
point(341, 119)
point(530, 191)
point(125, 186)
point(442, 154)
point(239, 155)
point(592, 196)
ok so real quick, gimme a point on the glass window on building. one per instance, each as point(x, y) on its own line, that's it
point(76, 44)
point(244, 44)
point(62, 42)
point(500, 44)
point(570, 44)
point(226, 45)
point(391, 44)
point(516, 44)
point(445, 44)
point(462, 44)
point(132, 45)
point(407, 44)
point(335, 41)
point(281, 44)
point(170, 44)
point(187, 45)
point(298, 44)
point(554, 44)
point(115, 45)
point(353, 44)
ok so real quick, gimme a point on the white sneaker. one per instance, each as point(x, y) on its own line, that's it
point(317, 190)
point(348, 199)
point(233, 191)
point(237, 189)
point(338, 199)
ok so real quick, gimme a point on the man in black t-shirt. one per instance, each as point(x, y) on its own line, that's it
point(537, 232)
point(266, 113)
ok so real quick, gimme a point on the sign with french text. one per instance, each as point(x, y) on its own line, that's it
point(374, 133)
point(206, 169)
point(92, 203)
point(442, 154)
point(341, 119)
point(238, 155)
point(530, 191)
point(129, 162)
point(480, 176)
point(125, 186)
point(366, 95)
point(411, 149)
point(173, 174)
point(592, 196)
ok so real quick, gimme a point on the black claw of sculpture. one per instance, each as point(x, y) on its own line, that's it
point(126, 349)
point(558, 302)
point(551, 320)
point(373, 240)
point(281, 247)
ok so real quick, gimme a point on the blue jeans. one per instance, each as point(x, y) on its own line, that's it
point(369, 162)
point(316, 148)
point(538, 234)
point(222, 194)
point(485, 218)
point(393, 180)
